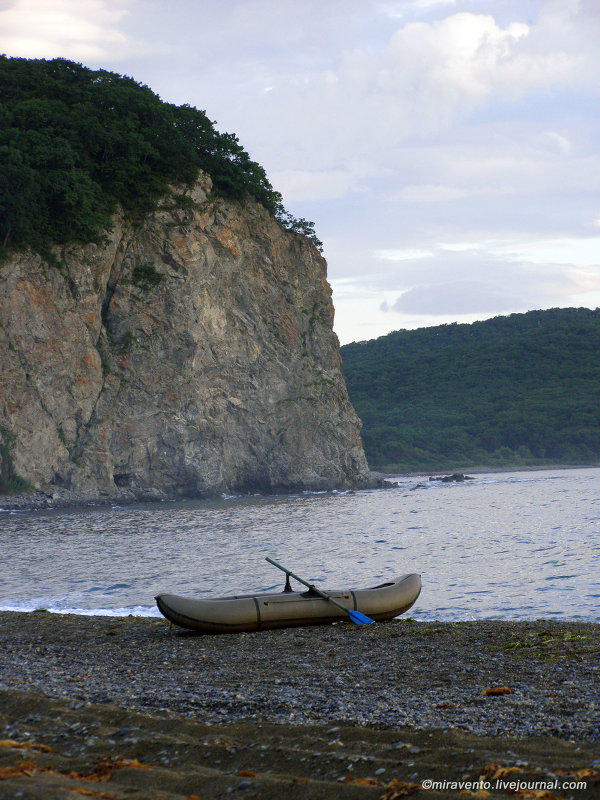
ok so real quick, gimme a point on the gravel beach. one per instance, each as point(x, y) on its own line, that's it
point(332, 711)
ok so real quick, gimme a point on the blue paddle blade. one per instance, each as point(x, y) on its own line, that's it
point(359, 619)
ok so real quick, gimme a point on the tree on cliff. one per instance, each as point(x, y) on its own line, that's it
point(76, 143)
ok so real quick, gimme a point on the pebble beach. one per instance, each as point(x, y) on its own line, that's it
point(329, 711)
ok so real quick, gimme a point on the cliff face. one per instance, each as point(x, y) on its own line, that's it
point(190, 354)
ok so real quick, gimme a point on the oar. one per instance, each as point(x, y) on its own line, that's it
point(356, 616)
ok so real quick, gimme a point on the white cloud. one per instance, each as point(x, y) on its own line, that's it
point(461, 297)
point(403, 255)
point(493, 277)
point(401, 8)
point(75, 29)
point(453, 65)
point(429, 194)
point(565, 250)
point(357, 110)
point(299, 185)
point(563, 143)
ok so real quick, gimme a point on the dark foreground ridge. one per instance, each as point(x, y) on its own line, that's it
point(118, 708)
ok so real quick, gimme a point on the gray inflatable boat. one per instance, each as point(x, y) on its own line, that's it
point(255, 612)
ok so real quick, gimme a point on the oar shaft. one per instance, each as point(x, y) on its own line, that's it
point(306, 583)
point(289, 572)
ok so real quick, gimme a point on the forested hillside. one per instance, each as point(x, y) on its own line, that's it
point(516, 390)
point(75, 143)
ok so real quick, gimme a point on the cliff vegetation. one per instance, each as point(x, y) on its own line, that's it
point(510, 391)
point(77, 143)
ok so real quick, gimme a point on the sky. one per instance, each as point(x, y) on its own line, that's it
point(448, 151)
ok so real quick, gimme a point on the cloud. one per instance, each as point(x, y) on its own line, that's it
point(563, 143)
point(466, 55)
point(460, 297)
point(358, 109)
point(429, 194)
point(402, 8)
point(566, 250)
point(449, 66)
point(403, 254)
point(494, 277)
point(85, 30)
point(299, 185)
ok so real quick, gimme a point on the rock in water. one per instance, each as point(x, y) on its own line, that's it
point(190, 354)
point(456, 477)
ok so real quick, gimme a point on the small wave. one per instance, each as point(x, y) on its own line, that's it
point(123, 611)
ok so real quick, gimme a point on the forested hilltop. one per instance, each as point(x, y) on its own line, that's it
point(509, 391)
point(75, 143)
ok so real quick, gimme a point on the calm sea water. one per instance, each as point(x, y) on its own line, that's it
point(506, 546)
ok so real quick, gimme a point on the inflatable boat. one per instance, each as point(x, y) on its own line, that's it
point(255, 612)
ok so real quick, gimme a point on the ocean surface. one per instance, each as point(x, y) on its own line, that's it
point(521, 545)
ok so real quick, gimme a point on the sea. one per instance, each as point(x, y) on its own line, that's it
point(510, 546)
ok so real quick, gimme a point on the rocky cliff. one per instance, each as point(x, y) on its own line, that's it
point(188, 354)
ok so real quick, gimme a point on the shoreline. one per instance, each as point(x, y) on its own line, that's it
point(40, 500)
point(349, 711)
point(63, 499)
point(485, 470)
point(152, 614)
point(46, 500)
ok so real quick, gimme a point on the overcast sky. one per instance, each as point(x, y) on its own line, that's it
point(447, 150)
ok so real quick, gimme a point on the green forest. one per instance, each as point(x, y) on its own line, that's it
point(510, 391)
point(77, 143)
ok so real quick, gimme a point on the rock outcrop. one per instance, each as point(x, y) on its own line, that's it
point(191, 353)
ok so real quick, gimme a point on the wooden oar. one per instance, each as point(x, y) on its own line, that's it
point(356, 616)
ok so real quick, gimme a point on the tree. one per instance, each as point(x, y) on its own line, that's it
point(76, 143)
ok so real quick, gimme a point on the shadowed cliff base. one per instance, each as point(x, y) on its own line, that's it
point(64, 498)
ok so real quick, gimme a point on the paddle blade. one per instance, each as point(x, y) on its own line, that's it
point(358, 618)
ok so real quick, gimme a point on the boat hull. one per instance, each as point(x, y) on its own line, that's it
point(288, 609)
